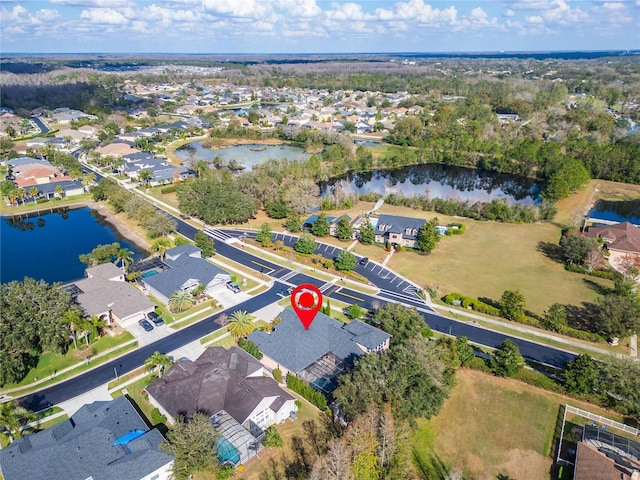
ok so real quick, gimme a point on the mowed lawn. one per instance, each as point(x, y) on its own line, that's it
point(491, 426)
point(492, 257)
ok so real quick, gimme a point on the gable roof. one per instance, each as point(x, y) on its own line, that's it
point(183, 269)
point(295, 348)
point(594, 463)
point(407, 226)
point(84, 446)
point(622, 236)
point(219, 379)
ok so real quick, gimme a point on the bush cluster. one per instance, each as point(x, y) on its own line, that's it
point(250, 347)
point(306, 391)
point(169, 189)
point(576, 268)
point(474, 303)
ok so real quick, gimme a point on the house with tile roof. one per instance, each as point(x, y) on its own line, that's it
point(398, 231)
point(622, 239)
point(105, 294)
point(185, 270)
point(101, 441)
point(230, 386)
point(317, 355)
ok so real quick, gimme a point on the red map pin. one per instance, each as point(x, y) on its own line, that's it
point(306, 300)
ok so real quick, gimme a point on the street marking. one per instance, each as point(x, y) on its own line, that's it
point(262, 265)
point(350, 296)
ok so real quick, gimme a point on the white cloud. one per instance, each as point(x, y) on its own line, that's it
point(107, 16)
point(300, 8)
point(536, 19)
point(235, 8)
point(509, 13)
point(93, 3)
point(348, 12)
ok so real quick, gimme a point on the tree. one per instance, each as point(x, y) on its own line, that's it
point(507, 361)
point(205, 243)
point(353, 311)
point(277, 209)
point(344, 230)
point(194, 444)
point(125, 257)
point(575, 247)
point(6, 146)
point(264, 235)
point(160, 246)
point(12, 418)
point(145, 176)
point(367, 232)
point(101, 254)
point(305, 244)
point(320, 228)
point(158, 362)
point(401, 322)
point(302, 195)
point(272, 438)
point(594, 259)
point(512, 305)
point(240, 324)
point(180, 301)
point(555, 318)
point(293, 223)
point(581, 375)
point(59, 191)
point(428, 237)
point(345, 261)
point(619, 315)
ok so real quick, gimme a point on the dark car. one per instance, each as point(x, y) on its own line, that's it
point(234, 287)
point(364, 261)
point(155, 318)
point(146, 325)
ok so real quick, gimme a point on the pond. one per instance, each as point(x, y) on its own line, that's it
point(617, 211)
point(440, 181)
point(47, 245)
point(244, 155)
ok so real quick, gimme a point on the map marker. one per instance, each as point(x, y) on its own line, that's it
point(306, 300)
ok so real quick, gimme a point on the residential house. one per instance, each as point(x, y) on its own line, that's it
point(622, 239)
point(67, 115)
point(105, 294)
point(30, 172)
point(186, 269)
point(398, 231)
point(317, 355)
point(602, 455)
point(230, 386)
point(333, 223)
point(116, 149)
point(101, 441)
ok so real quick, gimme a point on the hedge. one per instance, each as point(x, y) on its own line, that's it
point(538, 379)
point(581, 334)
point(307, 392)
point(474, 303)
point(457, 231)
point(250, 347)
point(277, 374)
point(606, 274)
point(169, 189)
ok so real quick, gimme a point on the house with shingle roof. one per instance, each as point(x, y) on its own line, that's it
point(622, 239)
point(105, 294)
point(101, 441)
point(320, 353)
point(231, 387)
point(397, 230)
point(186, 269)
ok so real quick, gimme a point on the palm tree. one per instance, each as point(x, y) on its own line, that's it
point(12, 418)
point(160, 246)
point(59, 191)
point(125, 256)
point(33, 192)
point(145, 176)
point(158, 362)
point(240, 324)
point(180, 301)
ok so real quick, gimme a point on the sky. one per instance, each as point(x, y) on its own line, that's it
point(316, 26)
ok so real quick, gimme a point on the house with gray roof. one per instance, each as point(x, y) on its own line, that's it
point(398, 231)
point(317, 355)
point(106, 294)
point(186, 269)
point(101, 441)
point(231, 387)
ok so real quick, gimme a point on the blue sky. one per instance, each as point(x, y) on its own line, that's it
point(316, 26)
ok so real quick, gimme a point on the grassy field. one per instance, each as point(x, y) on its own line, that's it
point(511, 431)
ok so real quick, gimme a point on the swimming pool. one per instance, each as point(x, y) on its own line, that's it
point(227, 452)
point(150, 273)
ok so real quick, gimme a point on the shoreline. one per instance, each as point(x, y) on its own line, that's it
point(110, 217)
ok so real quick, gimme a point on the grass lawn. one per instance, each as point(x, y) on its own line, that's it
point(51, 204)
point(510, 431)
point(492, 257)
point(49, 363)
point(134, 392)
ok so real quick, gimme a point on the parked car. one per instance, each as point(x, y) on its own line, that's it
point(146, 325)
point(234, 287)
point(364, 261)
point(155, 318)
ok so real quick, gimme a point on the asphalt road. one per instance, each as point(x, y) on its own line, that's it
point(43, 128)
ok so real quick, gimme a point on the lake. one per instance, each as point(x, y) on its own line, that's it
point(617, 211)
point(440, 181)
point(47, 245)
point(245, 155)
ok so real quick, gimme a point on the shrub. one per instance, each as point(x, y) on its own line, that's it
point(157, 417)
point(475, 304)
point(306, 391)
point(538, 379)
point(272, 438)
point(277, 374)
point(169, 189)
point(604, 274)
point(250, 347)
point(42, 200)
point(457, 231)
point(477, 363)
point(581, 334)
